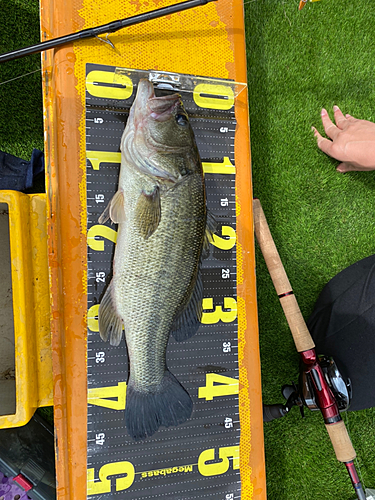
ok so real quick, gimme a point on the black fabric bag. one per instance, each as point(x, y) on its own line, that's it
point(343, 326)
point(17, 174)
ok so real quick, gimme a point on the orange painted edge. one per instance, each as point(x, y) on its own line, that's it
point(247, 290)
point(66, 257)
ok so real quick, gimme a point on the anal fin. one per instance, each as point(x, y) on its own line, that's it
point(110, 323)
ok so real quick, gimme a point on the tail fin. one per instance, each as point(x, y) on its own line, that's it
point(145, 412)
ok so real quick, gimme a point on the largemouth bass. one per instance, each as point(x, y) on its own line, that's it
point(156, 289)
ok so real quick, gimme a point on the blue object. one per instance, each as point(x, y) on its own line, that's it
point(18, 174)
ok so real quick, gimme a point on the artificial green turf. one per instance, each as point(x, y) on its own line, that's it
point(321, 221)
point(21, 113)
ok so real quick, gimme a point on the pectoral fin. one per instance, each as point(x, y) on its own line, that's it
point(115, 209)
point(148, 212)
point(110, 323)
point(186, 324)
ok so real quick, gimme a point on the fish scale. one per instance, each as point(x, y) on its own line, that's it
point(162, 266)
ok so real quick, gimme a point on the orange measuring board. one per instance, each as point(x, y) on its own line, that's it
point(86, 86)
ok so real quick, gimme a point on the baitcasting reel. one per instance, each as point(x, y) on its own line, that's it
point(309, 386)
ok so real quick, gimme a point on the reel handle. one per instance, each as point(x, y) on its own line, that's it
point(272, 412)
point(297, 325)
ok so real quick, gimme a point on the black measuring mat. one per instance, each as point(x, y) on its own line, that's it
point(200, 458)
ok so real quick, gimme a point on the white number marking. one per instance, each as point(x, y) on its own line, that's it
point(100, 357)
point(225, 274)
point(100, 438)
point(227, 347)
point(100, 277)
point(228, 422)
point(99, 198)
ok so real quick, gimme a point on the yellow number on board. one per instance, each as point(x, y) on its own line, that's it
point(225, 386)
point(104, 484)
point(92, 318)
point(98, 157)
point(211, 96)
point(222, 466)
point(99, 396)
point(225, 243)
point(225, 167)
point(95, 79)
point(210, 318)
point(100, 231)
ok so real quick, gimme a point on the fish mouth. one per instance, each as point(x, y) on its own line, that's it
point(162, 107)
point(158, 108)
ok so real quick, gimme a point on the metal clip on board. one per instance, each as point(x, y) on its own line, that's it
point(32, 387)
point(305, 346)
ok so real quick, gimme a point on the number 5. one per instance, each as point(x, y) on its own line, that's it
point(222, 466)
point(104, 484)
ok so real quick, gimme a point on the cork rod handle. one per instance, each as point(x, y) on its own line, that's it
point(297, 325)
point(341, 442)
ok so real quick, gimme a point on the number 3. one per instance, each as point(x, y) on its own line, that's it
point(209, 318)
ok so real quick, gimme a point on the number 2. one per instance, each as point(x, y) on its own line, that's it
point(100, 231)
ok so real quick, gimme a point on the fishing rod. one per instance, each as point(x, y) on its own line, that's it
point(312, 367)
point(103, 29)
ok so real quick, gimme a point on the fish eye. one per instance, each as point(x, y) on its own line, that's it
point(182, 120)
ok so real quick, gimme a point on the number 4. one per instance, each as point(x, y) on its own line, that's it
point(226, 386)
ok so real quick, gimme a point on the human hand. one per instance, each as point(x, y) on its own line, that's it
point(353, 141)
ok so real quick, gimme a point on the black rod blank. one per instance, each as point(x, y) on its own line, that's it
point(100, 30)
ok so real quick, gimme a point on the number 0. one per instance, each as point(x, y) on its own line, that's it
point(213, 96)
point(95, 87)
